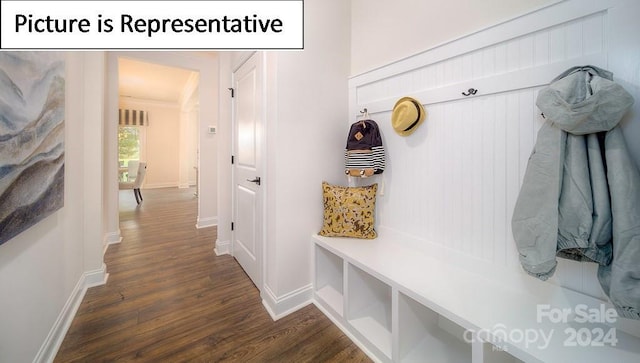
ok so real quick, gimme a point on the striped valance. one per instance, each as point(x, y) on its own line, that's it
point(133, 118)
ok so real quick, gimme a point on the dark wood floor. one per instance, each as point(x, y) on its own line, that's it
point(170, 299)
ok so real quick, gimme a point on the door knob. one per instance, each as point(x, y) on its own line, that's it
point(256, 180)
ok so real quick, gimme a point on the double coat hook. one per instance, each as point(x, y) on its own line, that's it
point(470, 91)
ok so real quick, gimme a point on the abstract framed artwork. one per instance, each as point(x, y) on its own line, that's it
point(32, 115)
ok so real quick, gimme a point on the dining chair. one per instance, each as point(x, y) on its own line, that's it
point(136, 183)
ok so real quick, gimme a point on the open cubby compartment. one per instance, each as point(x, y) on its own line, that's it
point(494, 354)
point(369, 309)
point(426, 336)
point(329, 279)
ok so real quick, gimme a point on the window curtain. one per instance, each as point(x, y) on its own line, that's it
point(133, 118)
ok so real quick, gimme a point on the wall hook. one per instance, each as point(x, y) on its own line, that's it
point(365, 116)
point(471, 91)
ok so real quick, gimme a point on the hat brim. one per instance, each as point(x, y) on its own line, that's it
point(408, 130)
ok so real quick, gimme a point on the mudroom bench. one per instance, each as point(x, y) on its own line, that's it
point(401, 305)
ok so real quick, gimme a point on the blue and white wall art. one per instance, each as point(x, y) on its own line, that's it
point(32, 114)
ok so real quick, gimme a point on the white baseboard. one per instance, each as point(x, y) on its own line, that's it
point(52, 343)
point(160, 185)
point(222, 248)
point(279, 307)
point(111, 238)
point(96, 277)
point(207, 222)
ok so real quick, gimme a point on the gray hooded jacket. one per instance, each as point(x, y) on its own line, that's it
point(580, 197)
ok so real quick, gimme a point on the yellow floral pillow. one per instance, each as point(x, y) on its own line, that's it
point(349, 211)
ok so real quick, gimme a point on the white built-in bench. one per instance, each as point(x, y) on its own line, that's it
point(401, 305)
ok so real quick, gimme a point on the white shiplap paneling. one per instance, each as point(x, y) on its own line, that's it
point(453, 183)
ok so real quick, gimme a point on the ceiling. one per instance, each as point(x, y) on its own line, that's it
point(150, 81)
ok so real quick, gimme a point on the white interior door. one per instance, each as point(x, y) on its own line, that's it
point(247, 170)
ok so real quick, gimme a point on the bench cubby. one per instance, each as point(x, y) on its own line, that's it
point(401, 305)
point(369, 308)
point(425, 334)
point(329, 279)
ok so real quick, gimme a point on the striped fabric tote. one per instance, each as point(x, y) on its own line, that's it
point(364, 154)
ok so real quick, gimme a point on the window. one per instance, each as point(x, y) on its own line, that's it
point(130, 147)
point(128, 144)
point(131, 138)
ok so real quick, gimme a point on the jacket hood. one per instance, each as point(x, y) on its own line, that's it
point(584, 101)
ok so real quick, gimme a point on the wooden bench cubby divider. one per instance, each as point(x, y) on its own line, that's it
point(400, 305)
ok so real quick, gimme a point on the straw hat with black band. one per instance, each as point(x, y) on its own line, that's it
point(407, 115)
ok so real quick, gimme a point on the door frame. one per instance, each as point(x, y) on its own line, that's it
point(209, 73)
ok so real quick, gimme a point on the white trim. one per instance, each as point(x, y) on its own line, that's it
point(96, 277)
point(240, 59)
point(206, 222)
point(148, 101)
point(189, 89)
point(52, 343)
point(222, 248)
point(515, 80)
point(281, 306)
point(161, 185)
point(111, 238)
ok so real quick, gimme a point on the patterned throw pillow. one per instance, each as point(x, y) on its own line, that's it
point(349, 211)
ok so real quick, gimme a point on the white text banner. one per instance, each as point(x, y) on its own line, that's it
point(152, 24)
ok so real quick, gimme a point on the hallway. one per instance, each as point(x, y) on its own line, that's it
point(170, 299)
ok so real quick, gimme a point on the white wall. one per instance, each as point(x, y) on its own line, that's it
point(162, 145)
point(189, 122)
point(388, 30)
point(42, 268)
point(306, 110)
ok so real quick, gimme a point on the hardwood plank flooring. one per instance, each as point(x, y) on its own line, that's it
point(169, 298)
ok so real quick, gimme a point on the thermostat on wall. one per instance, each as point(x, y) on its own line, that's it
point(212, 129)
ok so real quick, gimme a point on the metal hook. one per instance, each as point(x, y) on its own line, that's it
point(471, 91)
point(365, 116)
